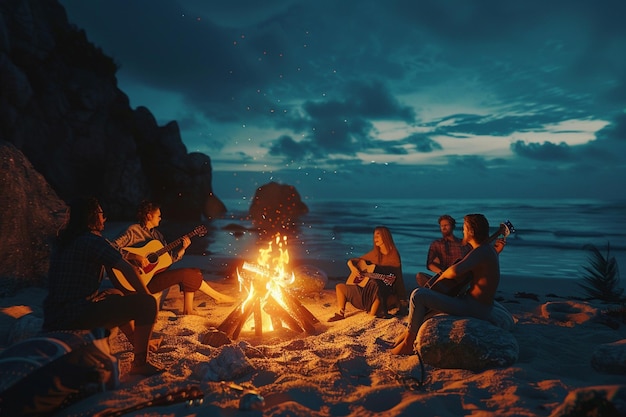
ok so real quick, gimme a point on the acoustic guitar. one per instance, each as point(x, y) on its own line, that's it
point(366, 272)
point(158, 256)
point(459, 285)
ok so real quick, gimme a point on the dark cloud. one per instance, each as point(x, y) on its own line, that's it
point(493, 125)
point(546, 152)
point(290, 150)
point(616, 130)
point(471, 162)
point(315, 80)
point(423, 143)
point(344, 124)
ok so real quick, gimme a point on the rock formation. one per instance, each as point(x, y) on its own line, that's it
point(30, 215)
point(60, 106)
point(276, 207)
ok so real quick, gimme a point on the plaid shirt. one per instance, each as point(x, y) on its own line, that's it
point(448, 252)
point(74, 278)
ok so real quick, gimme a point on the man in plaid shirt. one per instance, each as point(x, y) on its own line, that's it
point(74, 300)
point(445, 251)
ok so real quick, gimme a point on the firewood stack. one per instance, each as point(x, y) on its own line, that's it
point(288, 312)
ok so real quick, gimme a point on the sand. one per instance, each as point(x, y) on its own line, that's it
point(344, 368)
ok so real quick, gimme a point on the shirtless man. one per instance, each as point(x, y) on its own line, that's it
point(481, 262)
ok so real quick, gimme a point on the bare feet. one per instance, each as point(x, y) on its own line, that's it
point(402, 349)
point(154, 344)
point(193, 312)
point(404, 344)
point(399, 339)
point(144, 368)
point(224, 299)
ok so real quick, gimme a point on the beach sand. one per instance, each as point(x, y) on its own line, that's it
point(344, 368)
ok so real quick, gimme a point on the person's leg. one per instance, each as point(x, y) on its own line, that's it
point(188, 303)
point(375, 306)
point(423, 300)
point(188, 279)
point(403, 345)
point(216, 295)
point(340, 290)
point(143, 325)
point(134, 314)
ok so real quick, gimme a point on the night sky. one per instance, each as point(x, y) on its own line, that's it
point(343, 98)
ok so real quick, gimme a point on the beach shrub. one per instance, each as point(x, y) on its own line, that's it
point(601, 278)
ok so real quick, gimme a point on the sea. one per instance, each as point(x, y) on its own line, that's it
point(549, 239)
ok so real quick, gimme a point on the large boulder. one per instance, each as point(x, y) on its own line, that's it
point(452, 342)
point(30, 216)
point(276, 207)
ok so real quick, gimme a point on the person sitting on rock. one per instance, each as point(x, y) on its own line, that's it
point(481, 263)
point(190, 280)
point(375, 296)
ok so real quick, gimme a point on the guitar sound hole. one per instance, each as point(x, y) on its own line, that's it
point(152, 258)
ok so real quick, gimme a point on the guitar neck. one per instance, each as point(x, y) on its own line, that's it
point(374, 275)
point(501, 230)
point(170, 246)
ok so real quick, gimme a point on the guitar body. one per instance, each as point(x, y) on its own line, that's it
point(158, 256)
point(451, 287)
point(156, 265)
point(367, 272)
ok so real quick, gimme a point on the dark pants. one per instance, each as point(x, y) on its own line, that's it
point(189, 280)
point(113, 309)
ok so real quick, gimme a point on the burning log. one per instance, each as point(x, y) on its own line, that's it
point(232, 324)
point(309, 320)
point(274, 309)
point(274, 299)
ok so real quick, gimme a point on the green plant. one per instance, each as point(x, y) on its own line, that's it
point(601, 277)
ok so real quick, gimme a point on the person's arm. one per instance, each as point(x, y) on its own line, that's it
point(177, 256)
point(130, 237)
point(433, 262)
point(462, 268)
point(499, 245)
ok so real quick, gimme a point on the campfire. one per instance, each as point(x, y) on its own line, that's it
point(268, 305)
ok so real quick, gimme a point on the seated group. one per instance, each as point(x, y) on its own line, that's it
point(81, 256)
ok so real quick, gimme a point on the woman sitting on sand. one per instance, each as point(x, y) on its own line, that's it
point(375, 296)
point(190, 280)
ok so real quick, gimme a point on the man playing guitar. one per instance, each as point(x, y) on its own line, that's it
point(481, 264)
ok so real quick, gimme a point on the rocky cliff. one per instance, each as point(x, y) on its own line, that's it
point(61, 107)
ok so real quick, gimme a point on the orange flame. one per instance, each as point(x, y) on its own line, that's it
point(269, 274)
